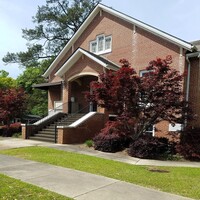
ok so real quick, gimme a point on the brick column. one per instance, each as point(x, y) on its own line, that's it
point(27, 130)
point(66, 96)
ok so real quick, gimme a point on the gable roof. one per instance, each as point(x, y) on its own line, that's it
point(78, 53)
point(135, 22)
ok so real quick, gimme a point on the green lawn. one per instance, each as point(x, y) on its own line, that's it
point(12, 189)
point(178, 180)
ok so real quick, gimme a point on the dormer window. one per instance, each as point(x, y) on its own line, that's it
point(102, 44)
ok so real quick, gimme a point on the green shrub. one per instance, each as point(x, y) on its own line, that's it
point(89, 143)
point(150, 147)
point(9, 131)
point(112, 138)
point(17, 135)
point(189, 146)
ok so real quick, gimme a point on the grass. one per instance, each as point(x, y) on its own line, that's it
point(12, 189)
point(178, 180)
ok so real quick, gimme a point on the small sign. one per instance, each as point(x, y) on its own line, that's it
point(175, 127)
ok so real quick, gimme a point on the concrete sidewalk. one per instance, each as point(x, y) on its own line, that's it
point(76, 184)
point(7, 143)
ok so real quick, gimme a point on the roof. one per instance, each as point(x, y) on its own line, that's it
point(137, 23)
point(197, 44)
point(78, 53)
point(45, 86)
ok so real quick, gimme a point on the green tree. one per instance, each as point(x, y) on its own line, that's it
point(56, 22)
point(3, 73)
point(37, 99)
point(6, 81)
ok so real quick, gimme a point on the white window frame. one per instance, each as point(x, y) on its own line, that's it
point(175, 127)
point(144, 72)
point(91, 43)
point(141, 73)
point(110, 49)
point(104, 44)
point(151, 132)
point(97, 39)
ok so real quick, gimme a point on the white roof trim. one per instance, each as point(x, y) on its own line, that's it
point(73, 59)
point(72, 40)
point(149, 28)
point(127, 18)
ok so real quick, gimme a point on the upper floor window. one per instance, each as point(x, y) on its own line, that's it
point(145, 73)
point(102, 44)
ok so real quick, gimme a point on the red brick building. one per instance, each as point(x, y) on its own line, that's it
point(102, 40)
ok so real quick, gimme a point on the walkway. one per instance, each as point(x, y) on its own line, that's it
point(72, 183)
point(6, 143)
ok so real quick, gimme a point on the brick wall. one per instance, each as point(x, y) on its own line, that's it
point(54, 94)
point(162, 130)
point(138, 47)
point(83, 65)
point(85, 131)
point(107, 24)
point(147, 47)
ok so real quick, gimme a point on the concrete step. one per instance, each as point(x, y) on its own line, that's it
point(45, 132)
point(45, 135)
point(48, 134)
point(48, 129)
point(42, 139)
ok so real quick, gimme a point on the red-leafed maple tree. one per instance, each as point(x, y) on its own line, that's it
point(12, 104)
point(146, 100)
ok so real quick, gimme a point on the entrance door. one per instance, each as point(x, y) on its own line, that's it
point(78, 87)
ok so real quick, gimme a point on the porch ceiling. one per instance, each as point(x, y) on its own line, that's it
point(45, 86)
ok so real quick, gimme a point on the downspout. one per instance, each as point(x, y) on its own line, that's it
point(187, 87)
point(188, 79)
point(191, 55)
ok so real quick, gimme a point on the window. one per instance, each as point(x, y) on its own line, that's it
point(145, 103)
point(145, 72)
point(150, 130)
point(102, 44)
point(101, 40)
point(144, 95)
point(93, 46)
point(108, 43)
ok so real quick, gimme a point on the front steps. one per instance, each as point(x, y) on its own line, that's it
point(47, 134)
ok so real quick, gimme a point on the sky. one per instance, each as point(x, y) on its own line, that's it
point(177, 17)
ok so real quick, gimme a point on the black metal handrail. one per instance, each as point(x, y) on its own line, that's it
point(31, 129)
point(69, 115)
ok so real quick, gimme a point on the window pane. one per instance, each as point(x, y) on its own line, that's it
point(93, 47)
point(146, 73)
point(108, 43)
point(100, 43)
